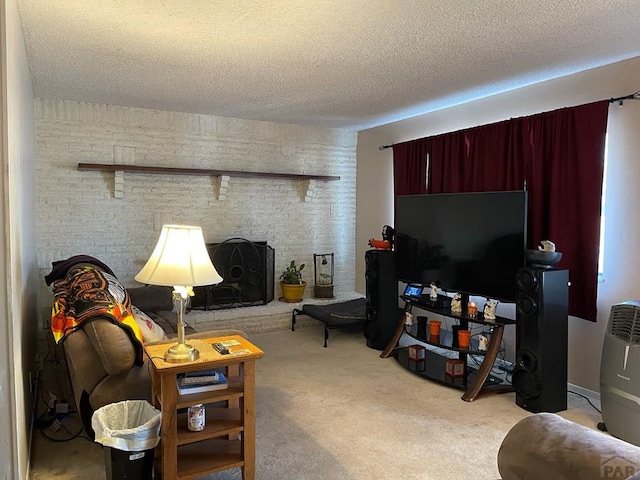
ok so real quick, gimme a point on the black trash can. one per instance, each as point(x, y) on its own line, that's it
point(129, 431)
point(123, 465)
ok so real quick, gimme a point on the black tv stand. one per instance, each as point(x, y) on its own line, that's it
point(441, 302)
point(475, 381)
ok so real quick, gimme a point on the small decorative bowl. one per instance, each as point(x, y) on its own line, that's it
point(542, 258)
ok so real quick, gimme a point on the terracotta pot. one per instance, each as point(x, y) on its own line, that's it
point(292, 292)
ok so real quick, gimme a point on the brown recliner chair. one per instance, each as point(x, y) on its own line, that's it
point(101, 355)
point(545, 445)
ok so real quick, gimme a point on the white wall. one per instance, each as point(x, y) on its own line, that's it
point(18, 279)
point(622, 263)
point(78, 214)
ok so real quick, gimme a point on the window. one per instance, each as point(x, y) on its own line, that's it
point(602, 210)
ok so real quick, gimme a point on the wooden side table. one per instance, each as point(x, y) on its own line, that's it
point(228, 439)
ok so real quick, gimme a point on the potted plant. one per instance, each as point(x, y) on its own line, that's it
point(291, 282)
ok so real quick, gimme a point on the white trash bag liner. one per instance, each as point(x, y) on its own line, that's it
point(131, 425)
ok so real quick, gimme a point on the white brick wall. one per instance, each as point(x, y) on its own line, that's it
point(79, 212)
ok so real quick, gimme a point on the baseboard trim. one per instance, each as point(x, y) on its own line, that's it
point(590, 394)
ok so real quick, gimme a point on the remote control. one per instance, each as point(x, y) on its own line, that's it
point(201, 379)
point(222, 350)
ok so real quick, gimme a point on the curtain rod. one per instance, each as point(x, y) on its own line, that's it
point(620, 100)
point(633, 96)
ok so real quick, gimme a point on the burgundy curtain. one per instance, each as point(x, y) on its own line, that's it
point(410, 167)
point(564, 178)
point(447, 163)
point(557, 156)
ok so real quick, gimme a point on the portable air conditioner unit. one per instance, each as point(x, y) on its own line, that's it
point(620, 373)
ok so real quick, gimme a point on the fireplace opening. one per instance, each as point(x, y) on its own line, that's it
point(247, 274)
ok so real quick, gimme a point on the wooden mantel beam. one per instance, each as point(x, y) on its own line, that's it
point(200, 171)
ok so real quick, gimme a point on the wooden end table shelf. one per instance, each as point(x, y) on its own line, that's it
point(228, 439)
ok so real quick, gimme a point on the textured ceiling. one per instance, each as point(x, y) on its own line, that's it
point(342, 64)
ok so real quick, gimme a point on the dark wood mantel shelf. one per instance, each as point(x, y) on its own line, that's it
point(200, 171)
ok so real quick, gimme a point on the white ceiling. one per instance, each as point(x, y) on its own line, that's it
point(330, 63)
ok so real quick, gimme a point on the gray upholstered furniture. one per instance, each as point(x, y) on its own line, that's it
point(546, 446)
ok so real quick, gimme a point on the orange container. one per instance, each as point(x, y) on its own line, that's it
point(464, 337)
point(434, 327)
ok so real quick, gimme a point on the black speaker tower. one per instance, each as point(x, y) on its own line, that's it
point(540, 376)
point(382, 312)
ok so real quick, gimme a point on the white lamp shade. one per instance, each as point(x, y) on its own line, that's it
point(179, 259)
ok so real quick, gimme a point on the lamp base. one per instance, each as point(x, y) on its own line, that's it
point(180, 353)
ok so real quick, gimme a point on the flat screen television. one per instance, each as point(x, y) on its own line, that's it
point(471, 243)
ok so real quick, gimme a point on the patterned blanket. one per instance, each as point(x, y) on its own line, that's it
point(87, 292)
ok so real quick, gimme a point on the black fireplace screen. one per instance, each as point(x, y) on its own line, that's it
point(247, 276)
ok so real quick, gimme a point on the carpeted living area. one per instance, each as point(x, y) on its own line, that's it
point(344, 413)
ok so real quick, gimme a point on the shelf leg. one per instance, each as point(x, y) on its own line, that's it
point(397, 334)
point(473, 390)
point(249, 420)
point(234, 371)
point(168, 429)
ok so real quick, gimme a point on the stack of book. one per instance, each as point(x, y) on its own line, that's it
point(198, 382)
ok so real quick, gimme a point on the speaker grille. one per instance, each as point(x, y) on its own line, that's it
point(527, 305)
point(526, 279)
point(371, 259)
point(527, 384)
point(372, 331)
point(371, 276)
point(527, 361)
point(540, 377)
point(624, 323)
point(382, 298)
point(371, 313)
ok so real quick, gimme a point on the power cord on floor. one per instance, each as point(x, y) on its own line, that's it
point(78, 434)
point(587, 399)
point(501, 357)
point(52, 422)
point(49, 428)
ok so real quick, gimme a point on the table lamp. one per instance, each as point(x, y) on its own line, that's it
point(180, 260)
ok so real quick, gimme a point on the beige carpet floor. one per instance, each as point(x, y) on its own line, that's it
point(344, 413)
